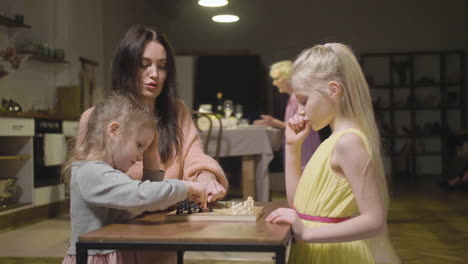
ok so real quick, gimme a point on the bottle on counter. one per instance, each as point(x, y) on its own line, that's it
point(219, 103)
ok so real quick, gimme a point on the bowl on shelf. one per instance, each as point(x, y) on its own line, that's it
point(7, 190)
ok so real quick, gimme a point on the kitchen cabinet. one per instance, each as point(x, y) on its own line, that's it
point(17, 161)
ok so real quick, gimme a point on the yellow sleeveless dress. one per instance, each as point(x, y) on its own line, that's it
point(321, 192)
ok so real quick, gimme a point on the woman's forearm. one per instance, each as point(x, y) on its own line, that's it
point(205, 176)
point(150, 161)
point(280, 124)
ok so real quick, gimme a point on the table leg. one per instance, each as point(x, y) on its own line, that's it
point(280, 256)
point(81, 254)
point(248, 176)
point(180, 257)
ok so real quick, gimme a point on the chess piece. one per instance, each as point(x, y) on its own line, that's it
point(243, 208)
point(179, 209)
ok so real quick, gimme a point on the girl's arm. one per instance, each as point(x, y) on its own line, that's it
point(349, 160)
point(296, 132)
point(102, 186)
point(292, 170)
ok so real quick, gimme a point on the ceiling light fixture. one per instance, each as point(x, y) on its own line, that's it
point(225, 18)
point(213, 3)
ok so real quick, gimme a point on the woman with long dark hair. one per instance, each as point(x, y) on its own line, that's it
point(144, 68)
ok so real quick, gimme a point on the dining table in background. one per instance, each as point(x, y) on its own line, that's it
point(255, 144)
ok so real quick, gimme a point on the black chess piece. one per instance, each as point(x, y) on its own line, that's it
point(180, 210)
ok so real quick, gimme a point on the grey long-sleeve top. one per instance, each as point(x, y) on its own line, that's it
point(101, 195)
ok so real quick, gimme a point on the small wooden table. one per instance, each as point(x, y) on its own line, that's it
point(152, 232)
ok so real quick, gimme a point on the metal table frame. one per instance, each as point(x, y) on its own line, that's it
point(279, 249)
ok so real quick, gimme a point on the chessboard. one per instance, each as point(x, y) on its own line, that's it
point(216, 212)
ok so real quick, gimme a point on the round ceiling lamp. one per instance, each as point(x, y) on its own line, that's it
point(213, 3)
point(225, 18)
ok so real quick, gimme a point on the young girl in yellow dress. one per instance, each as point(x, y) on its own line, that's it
point(340, 203)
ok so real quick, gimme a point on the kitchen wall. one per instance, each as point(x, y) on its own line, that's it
point(73, 25)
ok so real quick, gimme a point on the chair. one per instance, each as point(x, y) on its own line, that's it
point(196, 115)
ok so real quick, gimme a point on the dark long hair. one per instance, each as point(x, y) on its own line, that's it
point(124, 76)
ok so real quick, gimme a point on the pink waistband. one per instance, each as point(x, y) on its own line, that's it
point(321, 219)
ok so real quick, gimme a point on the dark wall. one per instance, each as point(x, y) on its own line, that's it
point(240, 78)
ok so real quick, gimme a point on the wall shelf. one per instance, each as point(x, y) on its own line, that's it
point(15, 157)
point(8, 22)
point(415, 91)
point(11, 207)
point(48, 59)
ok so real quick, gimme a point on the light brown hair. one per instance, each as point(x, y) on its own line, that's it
point(125, 110)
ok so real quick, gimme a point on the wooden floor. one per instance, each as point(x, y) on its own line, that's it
point(427, 226)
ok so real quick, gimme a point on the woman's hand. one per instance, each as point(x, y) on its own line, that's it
point(196, 192)
point(297, 129)
point(214, 190)
point(268, 120)
point(289, 216)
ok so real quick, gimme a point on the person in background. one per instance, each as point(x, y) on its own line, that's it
point(144, 68)
point(280, 73)
point(339, 205)
point(119, 130)
point(457, 172)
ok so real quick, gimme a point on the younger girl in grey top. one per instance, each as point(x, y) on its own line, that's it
point(102, 195)
point(119, 131)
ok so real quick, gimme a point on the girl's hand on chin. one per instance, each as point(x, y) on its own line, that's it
point(297, 129)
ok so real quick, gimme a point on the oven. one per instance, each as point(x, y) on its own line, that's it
point(47, 172)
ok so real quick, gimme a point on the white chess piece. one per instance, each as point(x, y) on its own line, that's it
point(243, 208)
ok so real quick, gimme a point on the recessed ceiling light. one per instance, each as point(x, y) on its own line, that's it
point(225, 18)
point(213, 3)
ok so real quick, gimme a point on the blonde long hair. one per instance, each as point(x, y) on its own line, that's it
point(337, 62)
point(120, 108)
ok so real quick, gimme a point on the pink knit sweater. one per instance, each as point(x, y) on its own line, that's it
point(190, 163)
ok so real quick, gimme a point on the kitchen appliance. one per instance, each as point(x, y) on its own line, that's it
point(45, 175)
